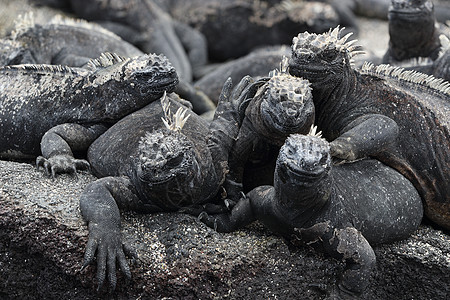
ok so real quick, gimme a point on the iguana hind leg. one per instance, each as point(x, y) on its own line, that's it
point(58, 143)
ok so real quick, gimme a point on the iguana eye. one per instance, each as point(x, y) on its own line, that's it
point(328, 55)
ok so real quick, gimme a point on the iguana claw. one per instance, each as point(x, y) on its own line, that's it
point(109, 249)
point(61, 164)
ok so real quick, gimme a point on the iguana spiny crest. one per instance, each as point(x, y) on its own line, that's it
point(307, 44)
point(176, 121)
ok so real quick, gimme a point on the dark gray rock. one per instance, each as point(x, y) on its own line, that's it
point(42, 240)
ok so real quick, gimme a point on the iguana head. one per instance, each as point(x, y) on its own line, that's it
point(168, 162)
point(411, 22)
point(411, 7)
point(302, 165)
point(153, 74)
point(323, 58)
point(286, 104)
point(148, 74)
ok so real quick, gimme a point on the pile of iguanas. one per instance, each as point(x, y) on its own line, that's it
point(379, 164)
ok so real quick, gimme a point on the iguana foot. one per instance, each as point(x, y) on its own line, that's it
point(234, 190)
point(342, 150)
point(61, 164)
point(107, 244)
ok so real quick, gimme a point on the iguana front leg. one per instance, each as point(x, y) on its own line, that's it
point(223, 130)
point(58, 143)
point(99, 205)
point(240, 215)
point(366, 136)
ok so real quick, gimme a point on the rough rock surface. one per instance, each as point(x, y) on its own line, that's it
point(42, 240)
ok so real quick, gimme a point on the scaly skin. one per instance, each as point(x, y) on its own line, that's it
point(272, 109)
point(61, 41)
point(440, 68)
point(412, 30)
point(361, 112)
point(49, 102)
point(341, 210)
point(153, 169)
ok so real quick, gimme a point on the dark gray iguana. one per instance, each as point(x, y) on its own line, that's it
point(183, 46)
point(233, 28)
point(161, 165)
point(361, 112)
point(72, 42)
point(61, 41)
point(272, 109)
point(40, 103)
point(340, 210)
point(413, 31)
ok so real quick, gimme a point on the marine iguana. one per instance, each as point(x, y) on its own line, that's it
point(413, 31)
point(73, 42)
point(159, 166)
point(182, 45)
point(341, 210)
point(61, 41)
point(272, 109)
point(361, 112)
point(40, 103)
point(233, 28)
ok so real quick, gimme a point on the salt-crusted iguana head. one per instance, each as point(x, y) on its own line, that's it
point(168, 163)
point(168, 168)
point(286, 105)
point(148, 74)
point(411, 22)
point(409, 9)
point(322, 58)
point(302, 166)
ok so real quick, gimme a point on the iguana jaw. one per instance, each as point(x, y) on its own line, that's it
point(155, 84)
point(153, 74)
point(303, 159)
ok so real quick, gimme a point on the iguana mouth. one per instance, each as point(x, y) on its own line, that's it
point(311, 171)
point(289, 120)
point(304, 158)
point(149, 83)
point(309, 71)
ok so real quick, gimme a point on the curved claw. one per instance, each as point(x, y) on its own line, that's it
point(202, 215)
point(61, 164)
